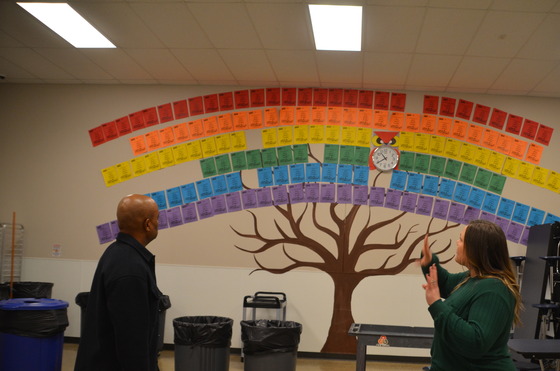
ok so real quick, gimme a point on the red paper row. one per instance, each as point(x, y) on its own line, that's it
point(321, 97)
point(484, 115)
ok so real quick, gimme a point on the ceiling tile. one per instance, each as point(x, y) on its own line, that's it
point(386, 68)
point(294, 65)
point(74, 62)
point(248, 65)
point(117, 63)
point(6, 41)
point(392, 29)
point(545, 42)
point(523, 74)
point(524, 6)
point(35, 63)
point(432, 70)
point(161, 64)
point(13, 71)
point(329, 64)
point(228, 26)
point(550, 83)
point(502, 34)
point(461, 4)
point(478, 72)
point(448, 31)
point(282, 26)
point(204, 64)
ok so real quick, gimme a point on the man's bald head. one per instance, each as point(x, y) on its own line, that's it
point(137, 215)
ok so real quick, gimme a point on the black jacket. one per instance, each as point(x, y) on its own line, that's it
point(121, 320)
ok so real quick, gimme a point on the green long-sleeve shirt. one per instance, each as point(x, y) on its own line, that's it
point(472, 325)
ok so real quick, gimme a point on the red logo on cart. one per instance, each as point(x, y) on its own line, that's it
point(383, 341)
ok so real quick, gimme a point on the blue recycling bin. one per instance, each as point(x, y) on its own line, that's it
point(32, 334)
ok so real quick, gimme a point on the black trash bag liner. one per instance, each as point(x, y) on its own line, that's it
point(4, 291)
point(33, 323)
point(204, 331)
point(164, 303)
point(82, 299)
point(269, 336)
point(38, 290)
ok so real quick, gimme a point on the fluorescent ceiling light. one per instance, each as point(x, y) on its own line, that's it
point(337, 27)
point(67, 23)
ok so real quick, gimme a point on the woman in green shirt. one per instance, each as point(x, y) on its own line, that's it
point(472, 325)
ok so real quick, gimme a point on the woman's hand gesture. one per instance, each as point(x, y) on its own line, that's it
point(426, 253)
point(431, 286)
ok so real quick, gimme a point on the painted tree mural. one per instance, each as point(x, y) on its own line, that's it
point(352, 237)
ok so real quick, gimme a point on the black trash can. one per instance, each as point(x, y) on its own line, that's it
point(38, 290)
point(32, 334)
point(202, 343)
point(270, 345)
point(82, 300)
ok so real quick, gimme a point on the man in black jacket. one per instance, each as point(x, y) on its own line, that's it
point(121, 320)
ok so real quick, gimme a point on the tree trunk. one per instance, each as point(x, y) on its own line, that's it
point(338, 340)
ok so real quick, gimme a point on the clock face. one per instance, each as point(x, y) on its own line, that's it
point(385, 158)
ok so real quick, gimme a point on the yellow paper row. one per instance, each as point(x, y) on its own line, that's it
point(316, 134)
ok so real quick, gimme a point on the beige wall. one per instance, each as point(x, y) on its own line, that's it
point(50, 176)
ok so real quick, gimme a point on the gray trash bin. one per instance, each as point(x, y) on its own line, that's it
point(270, 345)
point(202, 343)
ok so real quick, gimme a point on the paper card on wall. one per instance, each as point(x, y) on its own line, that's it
point(104, 233)
point(273, 96)
point(431, 104)
point(138, 166)
point(518, 148)
point(335, 97)
point(468, 173)
point(398, 102)
point(344, 193)
point(174, 217)
point(241, 99)
point(124, 171)
point(414, 182)
point(406, 141)
point(529, 129)
point(320, 97)
point(452, 148)
point(496, 161)
point(520, 213)
point(456, 212)
point(289, 96)
point(303, 115)
point(424, 205)
point(347, 155)
point(269, 158)
point(240, 120)
point(534, 153)
point(226, 101)
point(208, 167)
point(257, 97)
point(210, 125)
point(467, 152)
point(481, 156)
point(514, 232)
point(285, 155)
point(150, 116)
point(285, 135)
point(223, 164)
point(181, 132)
point(406, 162)
point(447, 107)
point(348, 136)
point(544, 133)
point(422, 163)
point(475, 133)
point(223, 143)
point(459, 130)
point(328, 193)
point(159, 198)
point(553, 182)
point(437, 165)
point(464, 109)
point(297, 173)
point(300, 134)
point(264, 197)
point(110, 131)
point(137, 120)
point(196, 106)
point(430, 186)
point(123, 126)
point(381, 100)
point(180, 153)
point(393, 199)
point(328, 172)
point(376, 196)
point(174, 197)
point(281, 175)
point(361, 156)
point(297, 193)
point(380, 119)
point(497, 183)
point(255, 119)
point(525, 171)
point(361, 175)
point(398, 180)
point(233, 202)
point(332, 134)
point(350, 98)
point(280, 195)
point(429, 124)
point(444, 126)
point(505, 208)
point(504, 143)
point(476, 197)
point(502, 223)
point(363, 137)
point(234, 183)
point(498, 119)
point(482, 178)
point(165, 112)
point(408, 202)
point(254, 159)
point(412, 122)
point(138, 145)
point(452, 169)
point(312, 192)
point(344, 174)
point(300, 153)
point(204, 208)
point(350, 116)
point(196, 129)
point(180, 109)
point(313, 172)
point(481, 114)
point(441, 209)
point(365, 99)
point(204, 188)
point(331, 153)
point(271, 117)
point(211, 103)
point(269, 137)
point(471, 213)
point(153, 141)
point(305, 96)
point(536, 217)
point(551, 218)
point(195, 150)
point(208, 146)
point(188, 192)
point(219, 185)
point(334, 116)
point(396, 121)
point(167, 137)
point(249, 198)
point(447, 188)
point(514, 123)
point(437, 145)
point(360, 195)
point(421, 142)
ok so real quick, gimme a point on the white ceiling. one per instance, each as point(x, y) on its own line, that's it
point(484, 46)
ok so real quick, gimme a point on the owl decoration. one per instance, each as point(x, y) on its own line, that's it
point(384, 156)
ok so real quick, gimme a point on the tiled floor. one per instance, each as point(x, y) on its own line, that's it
point(167, 363)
